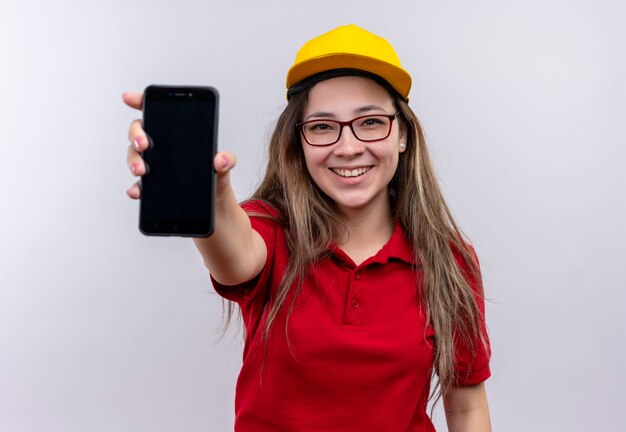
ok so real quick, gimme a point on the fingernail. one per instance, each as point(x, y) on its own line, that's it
point(136, 142)
point(224, 161)
point(133, 168)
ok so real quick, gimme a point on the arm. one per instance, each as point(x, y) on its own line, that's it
point(234, 253)
point(467, 409)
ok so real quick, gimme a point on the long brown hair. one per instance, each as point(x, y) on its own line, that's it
point(311, 224)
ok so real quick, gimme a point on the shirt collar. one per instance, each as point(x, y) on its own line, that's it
point(398, 247)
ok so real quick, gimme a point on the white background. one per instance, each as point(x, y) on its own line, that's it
point(524, 106)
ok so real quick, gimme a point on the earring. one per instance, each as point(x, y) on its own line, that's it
point(402, 146)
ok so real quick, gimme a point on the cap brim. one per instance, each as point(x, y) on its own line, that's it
point(398, 78)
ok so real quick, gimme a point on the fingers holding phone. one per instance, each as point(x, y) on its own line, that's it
point(138, 144)
point(136, 165)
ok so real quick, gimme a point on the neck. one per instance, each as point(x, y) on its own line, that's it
point(367, 229)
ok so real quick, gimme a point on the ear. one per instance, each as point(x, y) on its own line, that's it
point(403, 137)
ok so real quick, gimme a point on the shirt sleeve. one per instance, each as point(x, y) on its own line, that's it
point(472, 367)
point(264, 221)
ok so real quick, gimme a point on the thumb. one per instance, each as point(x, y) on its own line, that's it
point(223, 162)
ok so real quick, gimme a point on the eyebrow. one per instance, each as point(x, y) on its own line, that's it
point(361, 110)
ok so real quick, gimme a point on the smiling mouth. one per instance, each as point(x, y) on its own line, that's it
point(356, 172)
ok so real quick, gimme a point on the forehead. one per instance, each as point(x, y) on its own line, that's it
point(345, 95)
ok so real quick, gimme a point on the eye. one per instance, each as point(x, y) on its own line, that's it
point(320, 127)
point(372, 122)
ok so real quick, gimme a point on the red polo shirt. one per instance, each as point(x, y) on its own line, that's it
point(360, 354)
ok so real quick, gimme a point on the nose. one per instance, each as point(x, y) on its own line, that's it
point(348, 146)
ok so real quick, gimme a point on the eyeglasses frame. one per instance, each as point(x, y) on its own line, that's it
point(342, 124)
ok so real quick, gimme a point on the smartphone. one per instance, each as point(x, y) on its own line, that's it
point(178, 189)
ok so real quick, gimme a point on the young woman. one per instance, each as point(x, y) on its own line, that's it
point(354, 283)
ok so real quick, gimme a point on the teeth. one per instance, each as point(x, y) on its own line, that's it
point(351, 173)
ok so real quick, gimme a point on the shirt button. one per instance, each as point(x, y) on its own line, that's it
point(355, 304)
point(357, 276)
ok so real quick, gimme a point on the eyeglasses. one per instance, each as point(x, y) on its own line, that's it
point(365, 128)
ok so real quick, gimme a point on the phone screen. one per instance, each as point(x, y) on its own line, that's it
point(177, 192)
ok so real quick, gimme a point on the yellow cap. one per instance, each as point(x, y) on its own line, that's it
point(350, 47)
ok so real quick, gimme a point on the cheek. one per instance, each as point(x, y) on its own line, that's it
point(389, 158)
point(393, 167)
point(391, 162)
point(314, 159)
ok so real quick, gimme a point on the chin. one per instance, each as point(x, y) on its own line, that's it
point(354, 202)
